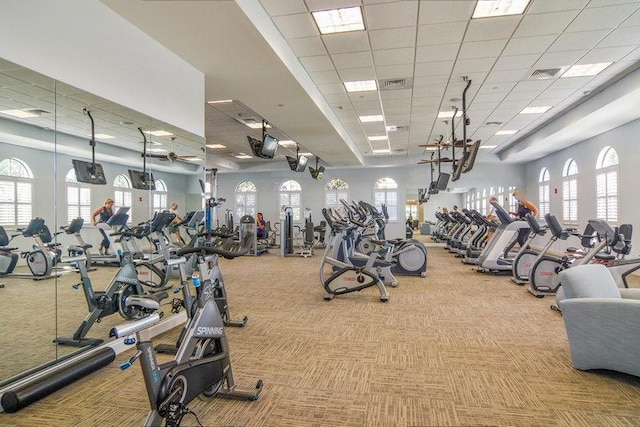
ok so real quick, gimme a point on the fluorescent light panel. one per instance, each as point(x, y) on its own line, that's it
point(257, 125)
point(377, 138)
point(506, 132)
point(221, 101)
point(448, 114)
point(339, 20)
point(361, 86)
point(287, 143)
point(381, 151)
point(243, 156)
point(23, 114)
point(103, 136)
point(490, 8)
point(582, 70)
point(371, 119)
point(535, 110)
point(216, 146)
point(158, 133)
point(306, 153)
point(156, 150)
point(488, 146)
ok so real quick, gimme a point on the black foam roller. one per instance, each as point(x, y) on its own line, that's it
point(32, 391)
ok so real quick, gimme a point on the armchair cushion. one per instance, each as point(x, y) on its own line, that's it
point(588, 281)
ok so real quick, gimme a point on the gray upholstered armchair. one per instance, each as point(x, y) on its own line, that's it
point(602, 321)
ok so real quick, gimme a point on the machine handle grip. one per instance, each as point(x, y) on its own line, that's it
point(136, 326)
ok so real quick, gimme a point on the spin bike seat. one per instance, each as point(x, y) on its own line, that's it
point(605, 257)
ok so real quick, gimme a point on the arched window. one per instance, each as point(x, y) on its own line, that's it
point(607, 185)
point(122, 194)
point(246, 199)
point(78, 198)
point(477, 206)
point(16, 184)
point(570, 192)
point(483, 202)
point(513, 202)
point(160, 196)
point(468, 201)
point(544, 184)
point(335, 190)
point(385, 192)
point(500, 196)
point(290, 195)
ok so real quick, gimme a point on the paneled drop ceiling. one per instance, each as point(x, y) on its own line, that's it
point(269, 55)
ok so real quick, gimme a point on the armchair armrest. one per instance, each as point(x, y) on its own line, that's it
point(603, 333)
point(632, 293)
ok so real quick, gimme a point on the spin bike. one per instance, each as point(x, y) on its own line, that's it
point(208, 277)
point(201, 366)
point(113, 299)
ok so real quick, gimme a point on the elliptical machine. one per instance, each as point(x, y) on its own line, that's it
point(201, 367)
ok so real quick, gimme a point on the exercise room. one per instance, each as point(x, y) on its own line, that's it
point(319, 213)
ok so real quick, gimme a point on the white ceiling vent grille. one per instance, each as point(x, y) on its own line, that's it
point(393, 84)
point(545, 73)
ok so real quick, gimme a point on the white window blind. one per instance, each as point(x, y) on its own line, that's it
point(291, 196)
point(607, 185)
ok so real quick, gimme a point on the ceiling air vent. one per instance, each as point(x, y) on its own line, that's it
point(546, 73)
point(402, 128)
point(493, 123)
point(393, 84)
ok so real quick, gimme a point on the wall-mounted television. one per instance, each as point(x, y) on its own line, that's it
point(317, 173)
point(297, 164)
point(89, 173)
point(265, 149)
point(443, 181)
point(471, 159)
point(141, 180)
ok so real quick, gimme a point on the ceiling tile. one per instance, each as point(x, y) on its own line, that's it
point(492, 29)
point(434, 12)
point(633, 20)
point(433, 68)
point(482, 49)
point(559, 59)
point(279, 7)
point(404, 55)
point(506, 76)
point(370, 96)
point(604, 18)
point(307, 46)
point(356, 41)
point(527, 96)
point(516, 62)
point(607, 54)
point(331, 88)
point(547, 6)
point(296, 26)
point(552, 93)
point(393, 38)
point(579, 40)
point(391, 15)
point(432, 81)
point(394, 71)
point(494, 88)
point(352, 60)
point(396, 94)
point(545, 23)
point(321, 77)
point(627, 36)
point(396, 103)
point(471, 65)
point(529, 45)
point(317, 63)
point(427, 101)
point(442, 52)
point(570, 83)
point(441, 33)
point(328, 4)
point(356, 74)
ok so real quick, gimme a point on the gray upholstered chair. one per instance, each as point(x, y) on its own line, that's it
point(602, 321)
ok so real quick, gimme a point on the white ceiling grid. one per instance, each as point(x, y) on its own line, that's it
point(436, 43)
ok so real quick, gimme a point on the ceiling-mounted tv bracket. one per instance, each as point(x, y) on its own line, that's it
point(465, 120)
point(264, 129)
point(144, 154)
point(92, 141)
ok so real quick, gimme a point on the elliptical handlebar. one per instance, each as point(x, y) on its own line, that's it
point(212, 250)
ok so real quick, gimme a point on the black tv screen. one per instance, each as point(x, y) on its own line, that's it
point(457, 168)
point(141, 180)
point(269, 147)
point(443, 181)
point(89, 173)
point(317, 173)
point(470, 160)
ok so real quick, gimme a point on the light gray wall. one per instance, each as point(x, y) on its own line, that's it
point(361, 182)
point(624, 140)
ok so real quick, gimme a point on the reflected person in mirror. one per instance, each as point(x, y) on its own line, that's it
point(103, 213)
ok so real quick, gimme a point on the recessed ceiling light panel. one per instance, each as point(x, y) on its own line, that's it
point(339, 20)
point(216, 146)
point(23, 114)
point(583, 70)
point(491, 8)
point(378, 138)
point(448, 114)
point(361, 86)
point(506, 132)
point(535, 110)
point(158, 133)
point(370, 119)
point(381, 151)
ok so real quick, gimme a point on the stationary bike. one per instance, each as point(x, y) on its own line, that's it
point(208, 276)
point(201, 367)
point(114, 298)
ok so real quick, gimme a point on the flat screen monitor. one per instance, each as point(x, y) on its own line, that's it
point(269, 147)
point(297, 164)
point(317, 173)
point(443, 181)
point(457, 168)
point(89, 173)
point(202, 186)
point(141, 180)
point(470, 160)
point(433, 188)
point(120, 218)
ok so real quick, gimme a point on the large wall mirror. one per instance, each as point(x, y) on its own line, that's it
point(44, 125)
